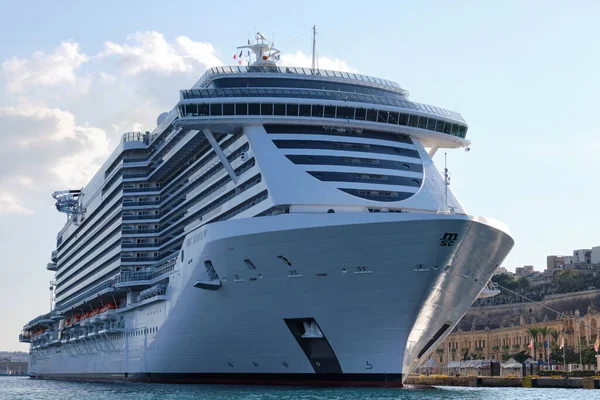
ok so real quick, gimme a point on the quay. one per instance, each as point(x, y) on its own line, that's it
point(496, 381)
point(13, 368)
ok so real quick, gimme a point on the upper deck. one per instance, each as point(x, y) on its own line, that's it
point(254, 71)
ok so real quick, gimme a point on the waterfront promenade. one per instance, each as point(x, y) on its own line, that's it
point(487, 381)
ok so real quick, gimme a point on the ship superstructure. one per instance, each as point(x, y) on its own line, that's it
point(279, 225)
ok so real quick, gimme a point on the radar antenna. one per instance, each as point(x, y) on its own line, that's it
point(69, 202)
point(266, 54)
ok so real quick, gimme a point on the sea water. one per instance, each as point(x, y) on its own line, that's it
point(22, 388)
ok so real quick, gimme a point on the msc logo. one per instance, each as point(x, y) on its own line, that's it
point(448, 239)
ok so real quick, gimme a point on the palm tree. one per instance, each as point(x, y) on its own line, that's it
point(544, 331)
point(534, 331)
point(555, 335)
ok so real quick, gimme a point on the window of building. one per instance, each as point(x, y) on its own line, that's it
point(266, 109)
point(241, 109)
point(317, 110)
point(372, 115)
point(279, 109)
point(292, 110)
point(228, 109)
point(216, 109)
point(431, 124)
point(253, 109)
point(361, 114)
point(413, 120)
point(403, 119)
point(305, 110)
point(439, 127)
point(329, 112)
point(382, 116)
point(345, 112)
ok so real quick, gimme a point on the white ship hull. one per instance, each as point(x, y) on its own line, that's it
point(383, 288)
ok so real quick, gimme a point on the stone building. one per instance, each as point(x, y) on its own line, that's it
point(489, 331)
point(13, 367)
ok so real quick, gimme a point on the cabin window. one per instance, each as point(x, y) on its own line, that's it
point(317, 110)
point(439, 127)
point(266, 109)
point(241, 109)
point(382, 116)
point(372, 115)
point(216, 109)
point(361, 114)
point(253, 109)
point(279, 109)
point(305, 110)
point(228, 109)
point(292, 110)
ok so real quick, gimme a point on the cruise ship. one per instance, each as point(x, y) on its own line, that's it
point(280, 225)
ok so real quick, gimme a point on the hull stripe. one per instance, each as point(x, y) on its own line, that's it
point(358, 380)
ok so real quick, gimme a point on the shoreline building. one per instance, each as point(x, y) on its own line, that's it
point(488, 332)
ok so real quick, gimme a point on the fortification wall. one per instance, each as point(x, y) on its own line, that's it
point(505, 315)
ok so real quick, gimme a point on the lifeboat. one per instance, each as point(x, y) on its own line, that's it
point(85, 319)
point(95, 317)
point(109, 313)
point(490, 290)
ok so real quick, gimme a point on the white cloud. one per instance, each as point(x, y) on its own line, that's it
point(41, 69)
point(43, 149)
point(61, 121)
point(300, 59)
point(150, 51)
point(10, 204)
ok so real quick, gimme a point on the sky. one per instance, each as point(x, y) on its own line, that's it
point(76, 75)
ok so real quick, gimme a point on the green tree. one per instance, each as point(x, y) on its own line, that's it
point(567, 281)
point(588, 355)
point(534, 331)
point(521, 356)
point(506, 280)
point(555, 335)
point(544, 331)
point(523, 283)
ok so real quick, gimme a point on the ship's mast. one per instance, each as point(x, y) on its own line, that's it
point(314, 47)
point(445, 208)
point(446, 182)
